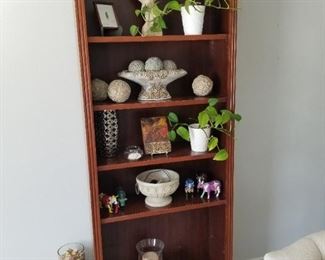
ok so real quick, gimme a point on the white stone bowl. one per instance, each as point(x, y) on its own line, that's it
point(157, 185)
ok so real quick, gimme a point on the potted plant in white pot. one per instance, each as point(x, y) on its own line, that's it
point(193, 13)
point(201, 135)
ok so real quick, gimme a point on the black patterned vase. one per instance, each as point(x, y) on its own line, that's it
point(106, 128)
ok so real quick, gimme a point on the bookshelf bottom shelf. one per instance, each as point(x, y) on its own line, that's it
point(193, 234)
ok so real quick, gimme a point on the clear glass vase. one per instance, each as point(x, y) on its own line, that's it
point(150, 249)
point(72, 251)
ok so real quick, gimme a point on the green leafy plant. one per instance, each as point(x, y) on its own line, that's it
point(217, 4)
point(219, 121)
point(157, 18)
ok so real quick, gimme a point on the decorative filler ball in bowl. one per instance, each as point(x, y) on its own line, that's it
point(157, 185)
point(153, 75)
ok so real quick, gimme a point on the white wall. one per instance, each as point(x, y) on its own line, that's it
point(280, 155)
point(44, 186)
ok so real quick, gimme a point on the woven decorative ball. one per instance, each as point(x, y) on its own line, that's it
point(153, 64)
point(169, 65)
point(202, 85)
point(99, 89)
point(119, 91)
point(136, 65)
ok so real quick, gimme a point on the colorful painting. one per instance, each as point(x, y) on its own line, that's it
point(155, 135)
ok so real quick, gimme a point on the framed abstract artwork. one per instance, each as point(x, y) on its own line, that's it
point(155, 135)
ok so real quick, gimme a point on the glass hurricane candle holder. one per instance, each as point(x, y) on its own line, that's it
point(150, 249)
point(72, 251)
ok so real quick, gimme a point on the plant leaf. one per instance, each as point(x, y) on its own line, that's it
point(183, 132)
point(172, 135)
point(203, 119)
point(137, 12)
point(237, 117)
point(145, 9)
point(173, 5)
point(213, 101)
point(208, 2)
point(134, 30)
point(226, 116)
point(161, 23)
point(187, 5)
point(213, 143)
point(222, 155)
point(212, 112)
point(217, 120)
point(156, 11)
point(172, 117)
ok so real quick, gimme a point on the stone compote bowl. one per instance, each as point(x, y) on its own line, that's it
point(154, 75)
point(157, 185)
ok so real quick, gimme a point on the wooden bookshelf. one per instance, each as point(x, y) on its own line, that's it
point(191, 229)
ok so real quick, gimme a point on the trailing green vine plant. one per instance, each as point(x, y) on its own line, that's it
point(217, 4)
point(219, 121)
point(153, 16)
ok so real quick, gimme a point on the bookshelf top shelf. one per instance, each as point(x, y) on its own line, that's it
point(165, 38)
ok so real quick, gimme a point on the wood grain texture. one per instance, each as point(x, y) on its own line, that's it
point(90, 133)
point(187, 235)
point(165, 38)
point(231, 72)
point(137, 209)
point(180, 154)
point(175, 102)
point(192, 230)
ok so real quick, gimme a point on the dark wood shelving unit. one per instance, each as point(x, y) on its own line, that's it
point(191, 229)
point(138, 210)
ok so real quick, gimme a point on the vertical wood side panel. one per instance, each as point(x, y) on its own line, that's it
point(230, 141)
point(89, 121)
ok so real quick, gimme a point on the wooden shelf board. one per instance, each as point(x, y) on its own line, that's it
point(165, 38)
point(136, 208)
point(179, 154)
point(175, 102)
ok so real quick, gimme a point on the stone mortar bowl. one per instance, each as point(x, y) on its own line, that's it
point(157, 185)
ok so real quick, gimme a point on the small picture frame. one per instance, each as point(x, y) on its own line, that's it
point(106, 16)
point(155, 135)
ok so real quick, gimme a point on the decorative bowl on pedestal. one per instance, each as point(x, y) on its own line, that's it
point(157, 185)
point(153, 83)
point(153, 78)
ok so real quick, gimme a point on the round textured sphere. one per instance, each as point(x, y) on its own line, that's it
point(99, 89)
point(169, 65)
point(119, 91)
point(136, 65)
point(202, 85)
point(153, 64)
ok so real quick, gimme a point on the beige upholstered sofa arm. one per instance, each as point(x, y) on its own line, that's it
point(311, 247)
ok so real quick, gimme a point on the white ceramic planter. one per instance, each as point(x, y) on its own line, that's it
point(199, 138)
point(193, 20)
point(157, 185)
